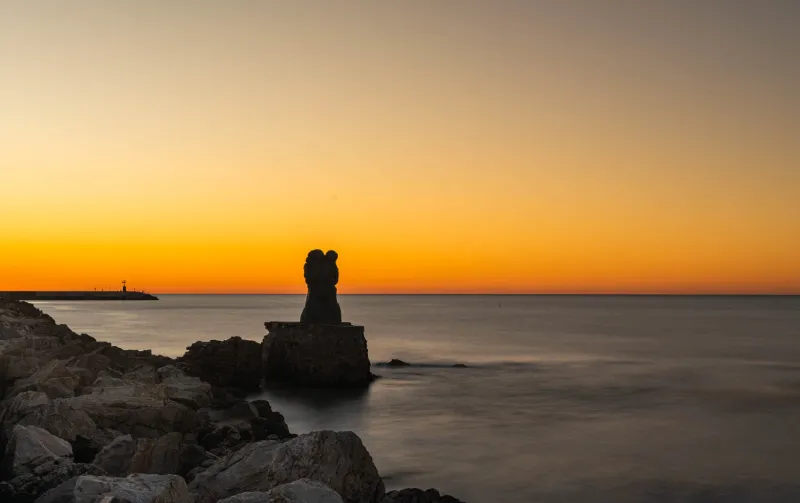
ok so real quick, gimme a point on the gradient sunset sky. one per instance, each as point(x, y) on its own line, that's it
point(438, 146)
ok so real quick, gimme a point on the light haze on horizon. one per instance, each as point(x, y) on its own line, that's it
point(450, 146)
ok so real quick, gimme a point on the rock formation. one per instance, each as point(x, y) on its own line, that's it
point(322, 275)
point(320, 351)
point(234, 363)
point(82, 421)
point(329, 356)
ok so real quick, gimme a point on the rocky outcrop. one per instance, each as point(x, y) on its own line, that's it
point(233, 363)
point(300, 491)
point(418, 496)
point(82, 421)
point(327, 356)
point(337, 459)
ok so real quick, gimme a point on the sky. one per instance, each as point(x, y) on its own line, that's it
point(450, 146)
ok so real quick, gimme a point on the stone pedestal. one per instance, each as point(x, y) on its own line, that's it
point(315, 355)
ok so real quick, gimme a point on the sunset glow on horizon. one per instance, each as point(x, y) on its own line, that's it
point(438, 147)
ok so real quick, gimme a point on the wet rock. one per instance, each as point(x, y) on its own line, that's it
point(233, 363)
point(241, 471)
point(300, 491)
point(418, 496)
point(316, 355)
point(337, 459)
point(31, 446)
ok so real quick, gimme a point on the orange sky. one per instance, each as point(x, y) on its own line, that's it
point(453, 146)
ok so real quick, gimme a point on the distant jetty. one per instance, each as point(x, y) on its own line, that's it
point(76, 295)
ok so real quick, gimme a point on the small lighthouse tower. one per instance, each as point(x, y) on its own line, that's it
point(124, 286)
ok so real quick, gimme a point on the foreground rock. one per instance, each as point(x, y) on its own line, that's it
point(328, 356)
point(30, 447)
point(300, 491)
point(337, 459)
point(242, 471)
point(234, 363)
point(136, 488)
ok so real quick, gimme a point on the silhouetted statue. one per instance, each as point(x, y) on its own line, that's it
point(321, 275)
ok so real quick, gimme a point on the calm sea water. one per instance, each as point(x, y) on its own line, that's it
point(566, 399)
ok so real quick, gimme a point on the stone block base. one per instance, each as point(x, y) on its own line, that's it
point(315, 355)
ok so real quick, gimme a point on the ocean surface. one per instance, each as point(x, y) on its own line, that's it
point(565, 399)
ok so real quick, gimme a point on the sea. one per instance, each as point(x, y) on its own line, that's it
point(579, 399)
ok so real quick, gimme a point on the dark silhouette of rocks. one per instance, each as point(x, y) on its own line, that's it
point(234, 363)
point(321, 351)
point(315, 356)
point(321, 275)
point(394, 362)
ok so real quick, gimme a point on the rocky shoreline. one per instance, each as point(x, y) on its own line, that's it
point(83, 421)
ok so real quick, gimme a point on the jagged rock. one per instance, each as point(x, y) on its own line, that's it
point(143, 410)
point(31, 446)
point(242, 471)
point(222, 431)
point(55, 379)
point(27, 488)
point(116, 457)
point(184, 389)
point(58, 416)
point(136, 488)
point(85, 447)
point(337, 459)
point(300, 491)
point(418, 496)
point(160, 456)
point(233, 363)
point(316, 355)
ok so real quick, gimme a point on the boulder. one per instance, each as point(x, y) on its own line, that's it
point(223, 431)
point(184, 389)
point(55, 379)
point(337, 459)
point(310, 355)
point(233, 363)
point(30, 486)
point(143, 410)
point(300, 491)
point(136, 488)
point(241, 471)
point(115, 458)
point(31, 446)
point(160, 456)
point(418, 496)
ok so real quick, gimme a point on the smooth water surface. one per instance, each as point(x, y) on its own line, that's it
point(565, 398)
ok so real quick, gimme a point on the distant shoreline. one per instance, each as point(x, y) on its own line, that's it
point(33, 295)
point(723, 295)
